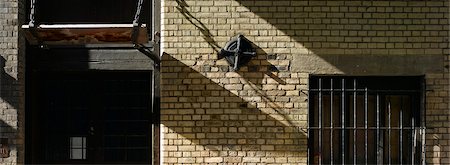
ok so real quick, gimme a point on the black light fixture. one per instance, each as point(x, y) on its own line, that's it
point(238, 51)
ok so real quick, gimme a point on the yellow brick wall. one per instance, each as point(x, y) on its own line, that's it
point(437, 118)
point(212, 114)
point(12, 73)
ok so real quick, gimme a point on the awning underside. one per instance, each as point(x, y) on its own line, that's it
point(80, 34)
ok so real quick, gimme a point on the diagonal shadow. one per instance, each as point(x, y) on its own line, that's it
point(261, 66)
point(213, 120)
point(7, 86)
point(356, 37)
point(7, 93)
point(207, 36)
point(6, 139)
point(259, 71)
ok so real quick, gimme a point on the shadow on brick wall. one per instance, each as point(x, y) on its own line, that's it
point(214, 119)
point(6, 141)
point(8, 93)
point(356, 36)
point(259, 71)
point(259, 67)
point(206, 33)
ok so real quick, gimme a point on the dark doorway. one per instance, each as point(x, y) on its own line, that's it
point(91, 117)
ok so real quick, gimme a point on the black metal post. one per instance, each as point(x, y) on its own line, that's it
point(366, 102)
point(331, 121)
point(343, 122)
point(354, 122)
point(320, 121)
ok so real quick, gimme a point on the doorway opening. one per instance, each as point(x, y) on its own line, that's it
point(91, 117)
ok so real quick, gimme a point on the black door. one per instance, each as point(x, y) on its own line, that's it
point(93, 117)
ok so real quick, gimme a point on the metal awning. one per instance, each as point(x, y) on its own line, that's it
point(79, 34)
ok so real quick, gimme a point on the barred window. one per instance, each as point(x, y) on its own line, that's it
point(366, 120)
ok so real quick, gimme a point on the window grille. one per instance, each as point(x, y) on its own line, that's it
point(366, 120)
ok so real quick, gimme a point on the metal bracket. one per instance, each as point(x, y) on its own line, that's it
point(136, 22)
point(135, 33)
point(149, 54)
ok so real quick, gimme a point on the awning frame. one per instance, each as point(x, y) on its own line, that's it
point(88, 32)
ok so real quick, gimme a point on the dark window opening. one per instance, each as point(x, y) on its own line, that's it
point(92, 117)
point(366, 120)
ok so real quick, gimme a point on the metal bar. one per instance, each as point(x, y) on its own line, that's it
point(101, 46)
point(310, 144)
point(82, 26)
point(354, 122)
point(401, 130)
point(156, 109)
point(423, 144)
point(413, 132)
point(343, 122)
point(308, 135)
point(32, 13)
point(331, 121)
point(423, 118)
point(32, 23)
point(136, 21)
point(378, 130)
point(413, 146)
point(389, 130)
point(363, 90)
point(138, 13)
point(152, 99)
point(236, 59)
point(320, 119)
point(155, 19)
point(362, 128)
point(366, 102)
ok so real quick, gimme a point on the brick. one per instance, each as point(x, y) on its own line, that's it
point(187, 160)
point(232, 159)
point(317, 28)
point(251, 159)
point(213, 160)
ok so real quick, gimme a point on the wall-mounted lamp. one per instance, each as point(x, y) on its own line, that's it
point(4, 148)
point(238, 51)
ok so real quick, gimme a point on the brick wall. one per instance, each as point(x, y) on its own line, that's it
point(212, 114)
point(12, 80)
